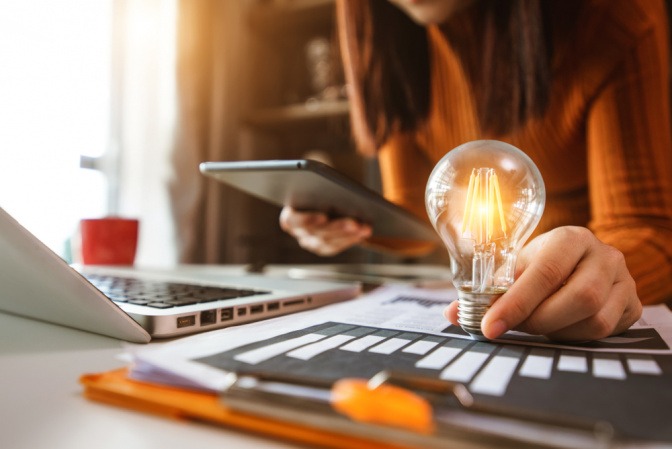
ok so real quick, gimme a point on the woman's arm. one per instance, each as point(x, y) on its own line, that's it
point(404, 170)
point(630, 156)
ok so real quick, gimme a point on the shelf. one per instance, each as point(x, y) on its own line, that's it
point(296, 5)
point(291, 15)
point(299, 113)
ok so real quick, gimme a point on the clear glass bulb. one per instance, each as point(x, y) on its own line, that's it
point(484, 199)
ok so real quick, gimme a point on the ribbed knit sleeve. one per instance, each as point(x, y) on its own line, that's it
point(603, 147)
point(630, 150)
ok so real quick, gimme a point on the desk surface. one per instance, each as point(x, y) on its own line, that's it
point(42, 405)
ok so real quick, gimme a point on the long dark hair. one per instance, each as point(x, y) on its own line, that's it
point(506, 56)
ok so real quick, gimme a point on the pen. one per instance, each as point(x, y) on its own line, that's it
point(428, 408)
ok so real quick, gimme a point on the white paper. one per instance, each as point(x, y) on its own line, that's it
point(398, 308)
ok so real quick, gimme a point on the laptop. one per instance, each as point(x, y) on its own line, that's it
point(138, 305)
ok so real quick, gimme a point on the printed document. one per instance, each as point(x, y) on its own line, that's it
point(624, 378)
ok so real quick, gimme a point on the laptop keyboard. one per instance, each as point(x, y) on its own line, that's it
point(163, 295)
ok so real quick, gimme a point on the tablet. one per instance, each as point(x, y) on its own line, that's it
point(310, 185)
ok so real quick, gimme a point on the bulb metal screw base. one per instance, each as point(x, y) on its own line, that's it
point(472, 308)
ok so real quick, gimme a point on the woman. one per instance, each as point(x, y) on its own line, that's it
point(581, 86)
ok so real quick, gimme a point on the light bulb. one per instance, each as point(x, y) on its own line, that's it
point(484, 199)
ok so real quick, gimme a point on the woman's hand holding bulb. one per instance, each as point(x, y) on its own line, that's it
point(569, 286)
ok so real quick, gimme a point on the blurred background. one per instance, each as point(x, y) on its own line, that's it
point(108, 106)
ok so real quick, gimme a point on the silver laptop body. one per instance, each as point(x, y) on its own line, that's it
point(35, 282)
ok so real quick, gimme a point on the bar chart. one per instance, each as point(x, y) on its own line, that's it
point(563, 380)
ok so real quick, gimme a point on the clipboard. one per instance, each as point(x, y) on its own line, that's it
point(115, 388)
point(388, 411)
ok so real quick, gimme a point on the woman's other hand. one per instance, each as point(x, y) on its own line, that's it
point(569, 286)
point(319, 234)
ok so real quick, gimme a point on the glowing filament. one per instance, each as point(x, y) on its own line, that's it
point(483, 203)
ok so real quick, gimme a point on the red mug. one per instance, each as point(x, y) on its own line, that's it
point(109, 240)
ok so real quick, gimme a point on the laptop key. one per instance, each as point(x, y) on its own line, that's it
point(163, 295)
point(160, 305)
point(182, 301)
point(253, 292)
point(215, 296)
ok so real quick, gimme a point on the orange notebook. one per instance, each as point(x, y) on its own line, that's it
point(115, 388)
point(384, 412)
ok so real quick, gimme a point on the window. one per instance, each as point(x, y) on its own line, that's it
point(54, 86)
point(93, 81)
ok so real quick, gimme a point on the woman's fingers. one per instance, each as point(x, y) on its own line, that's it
point(547, 263)
point(293, 221)
point(614, 318)
point(595, 301)
point(570, 286)
point(315, 232)
point(334, 238)
point(450, 312)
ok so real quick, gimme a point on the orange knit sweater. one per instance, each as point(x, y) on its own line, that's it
point(603, 147)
